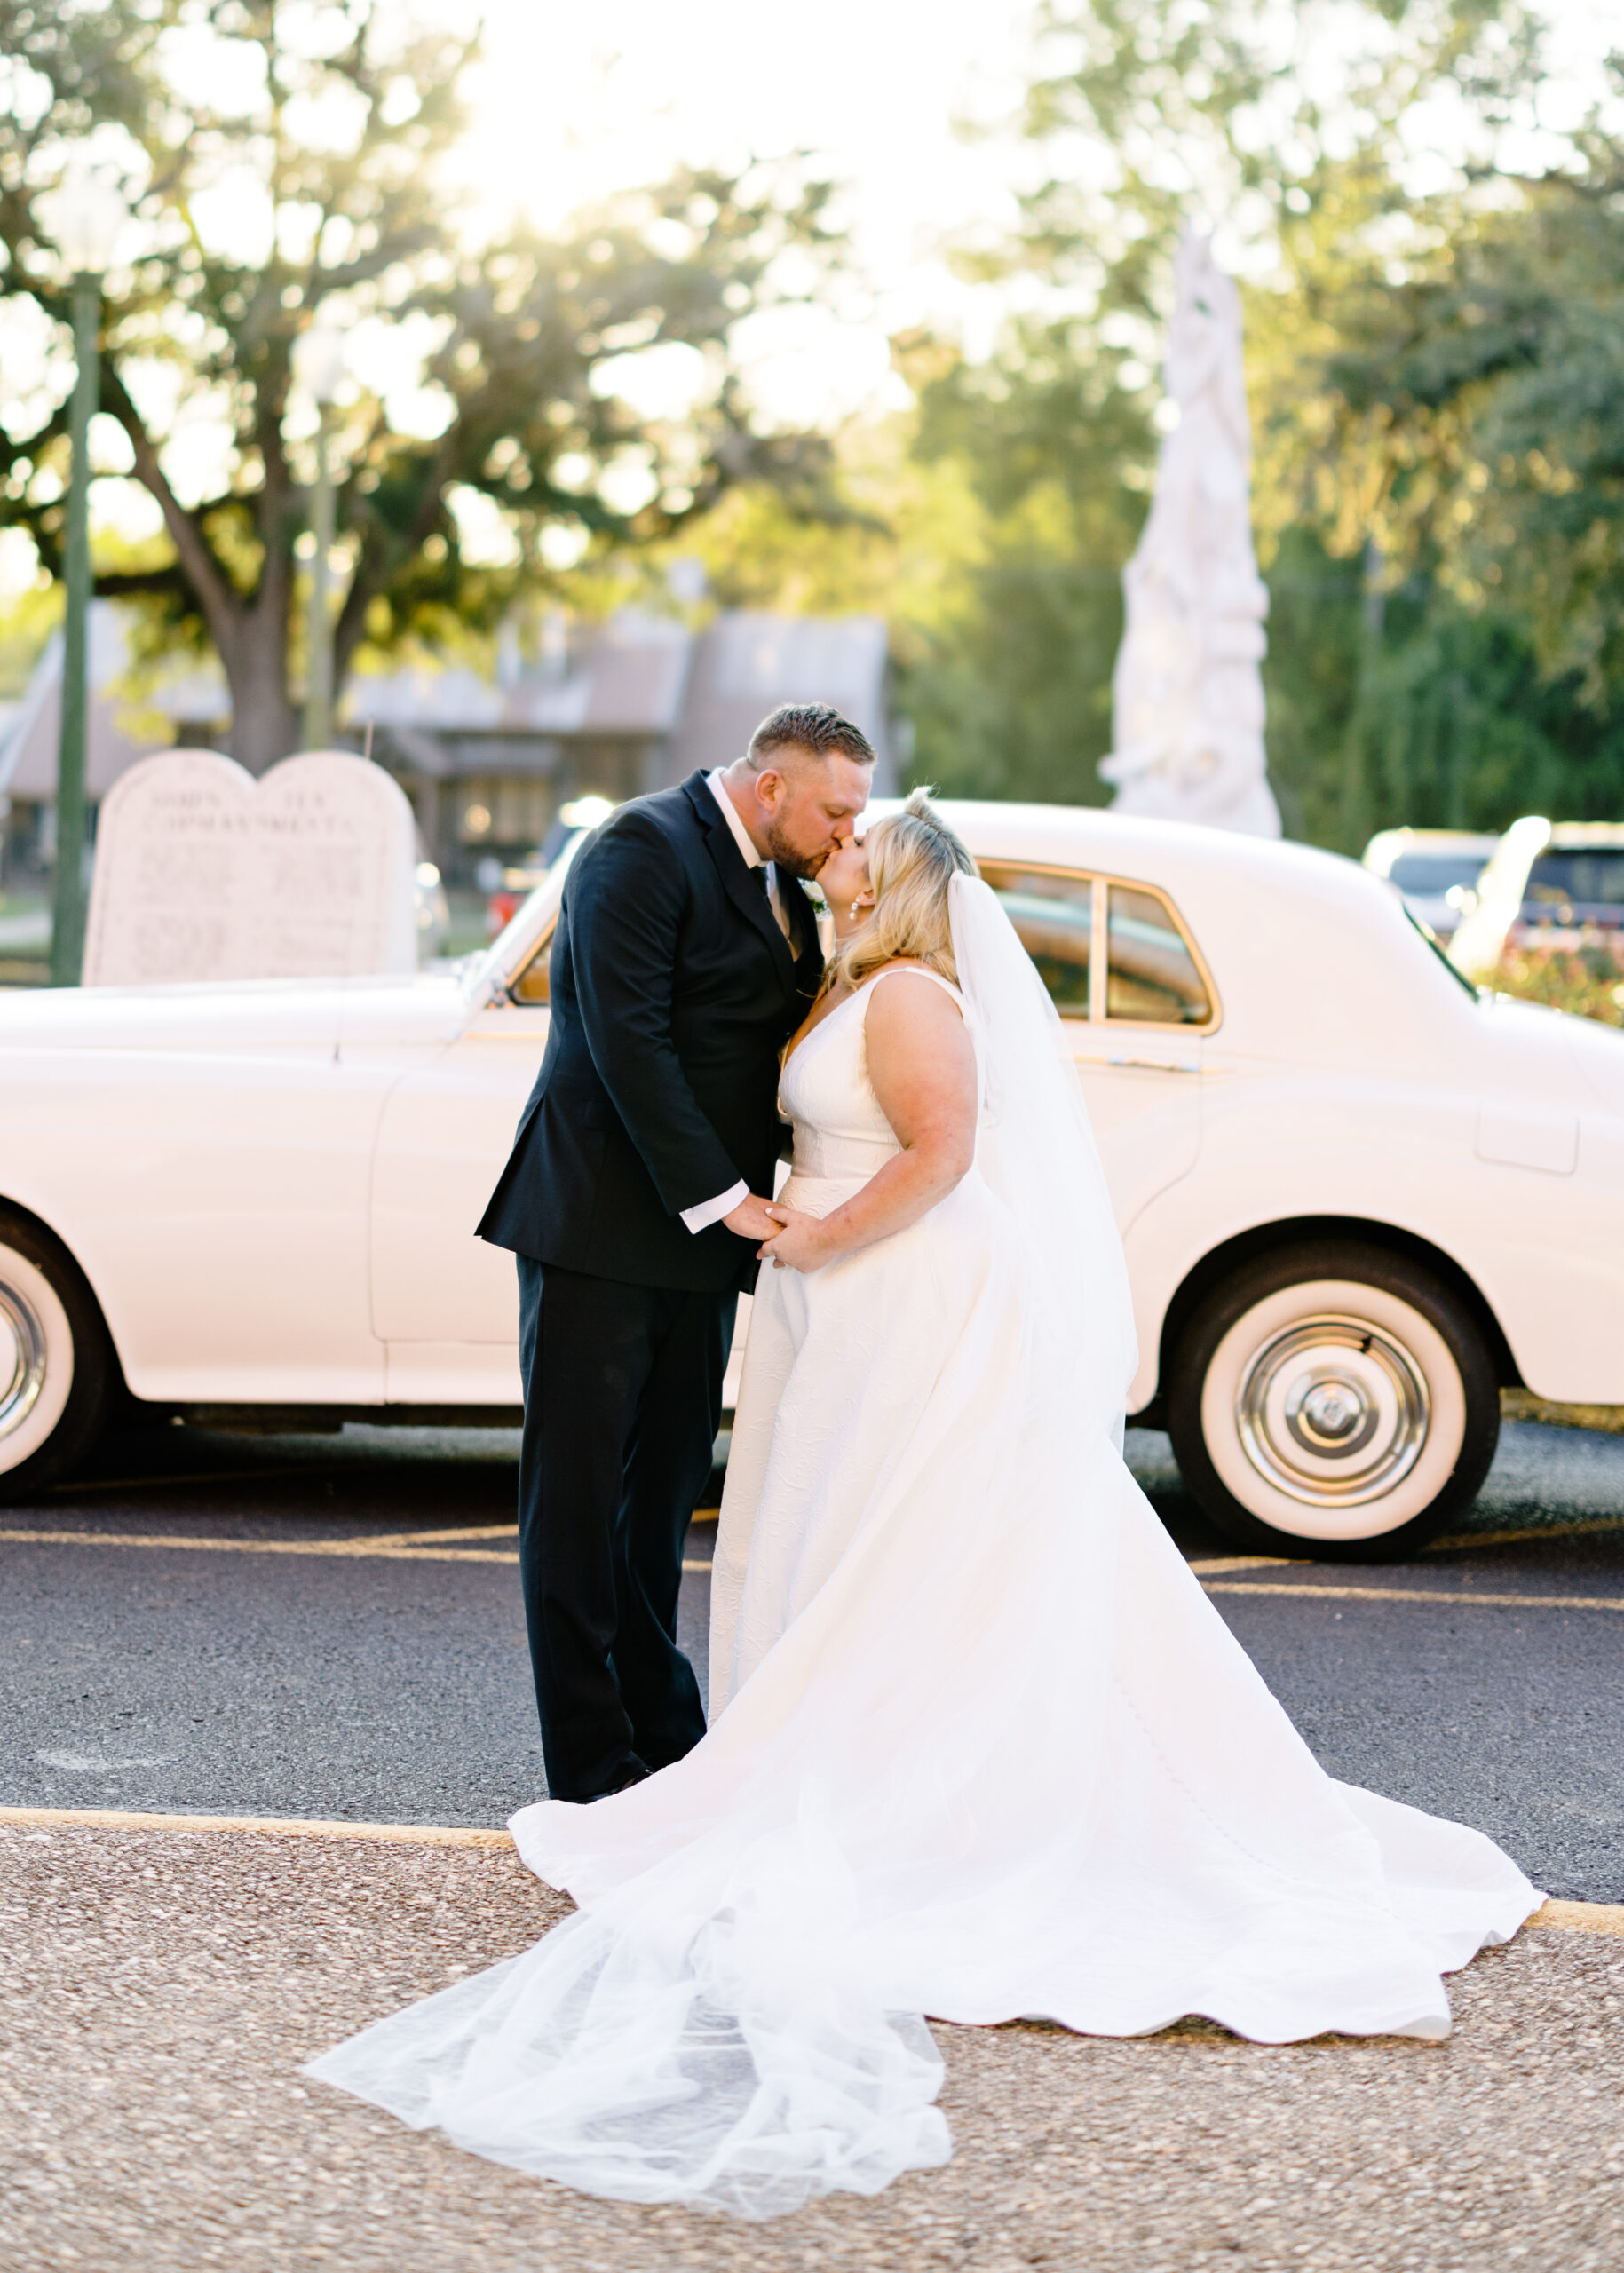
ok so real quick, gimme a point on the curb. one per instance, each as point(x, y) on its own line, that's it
point(397, 1834)
point(1558, 1917)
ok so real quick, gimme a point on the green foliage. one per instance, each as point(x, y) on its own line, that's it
point(1007, 682)
point(26, 625)
point(1489, 379)
point(1437, 395)
point(1412, 707)
point(355, 224)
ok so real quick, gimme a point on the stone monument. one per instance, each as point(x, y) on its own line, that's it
point(1187, 696)
point(203, 872)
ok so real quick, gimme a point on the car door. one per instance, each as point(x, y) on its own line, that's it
point(205, 1152)
point(1135, 1000)
point(444, 1303)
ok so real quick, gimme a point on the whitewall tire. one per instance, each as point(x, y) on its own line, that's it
point(57, 1371)
point(1333, 1399)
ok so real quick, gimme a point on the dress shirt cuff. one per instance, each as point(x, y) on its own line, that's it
point(711, 1211)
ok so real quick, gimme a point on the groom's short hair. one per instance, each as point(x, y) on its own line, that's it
point(811, 726)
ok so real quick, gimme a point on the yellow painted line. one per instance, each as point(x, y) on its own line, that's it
point(74, 1489)
point(1207, 1564)
point(1450, 1600)
point(402, 1547)
point(1565, 1917)
point(448, 1538)
point(350, 1550)
point(394, 1835)
point(1517, 1538)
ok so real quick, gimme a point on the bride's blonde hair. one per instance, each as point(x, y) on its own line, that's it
point(913, 857)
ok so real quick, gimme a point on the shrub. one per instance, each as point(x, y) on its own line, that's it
point(1587, 978)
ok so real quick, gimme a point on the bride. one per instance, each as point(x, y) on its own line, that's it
point(980, 1748)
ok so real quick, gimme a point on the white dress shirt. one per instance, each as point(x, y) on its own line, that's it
point(711, 1211)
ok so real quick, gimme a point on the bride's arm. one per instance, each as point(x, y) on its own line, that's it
point(923, 1070)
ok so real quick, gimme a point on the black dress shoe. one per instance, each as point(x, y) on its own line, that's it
point(631, 1771)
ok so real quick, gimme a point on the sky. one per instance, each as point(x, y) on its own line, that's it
point(574, 102)
point(577, 97)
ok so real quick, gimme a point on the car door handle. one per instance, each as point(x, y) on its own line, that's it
point(1144, 1057)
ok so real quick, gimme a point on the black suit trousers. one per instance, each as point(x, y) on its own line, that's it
point(622, 1399)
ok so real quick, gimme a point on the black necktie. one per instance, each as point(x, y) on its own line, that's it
point(760, 873)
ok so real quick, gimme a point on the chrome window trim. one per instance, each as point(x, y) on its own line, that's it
point(1099, 945)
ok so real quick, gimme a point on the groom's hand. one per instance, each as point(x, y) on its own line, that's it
point(752, 1219)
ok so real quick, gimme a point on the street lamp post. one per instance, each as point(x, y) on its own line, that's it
point(89, 216)
point(318, 365)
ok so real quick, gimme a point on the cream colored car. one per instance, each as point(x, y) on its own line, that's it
point(1356, 1198)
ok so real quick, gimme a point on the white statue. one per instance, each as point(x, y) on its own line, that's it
point(1187, 696)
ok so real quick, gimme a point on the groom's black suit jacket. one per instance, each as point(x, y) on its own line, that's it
point(673, 991)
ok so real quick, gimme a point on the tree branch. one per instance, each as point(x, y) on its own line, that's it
point(219, 603)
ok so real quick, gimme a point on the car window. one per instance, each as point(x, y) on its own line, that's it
point(1053, 911)
point(533, 984)
point(1582, 876)
point(1152, 977)
point(1436, 873)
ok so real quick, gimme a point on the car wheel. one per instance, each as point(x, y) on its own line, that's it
point(1335, 1400)
point(57, 1369)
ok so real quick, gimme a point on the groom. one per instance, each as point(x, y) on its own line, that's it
point(686, 955)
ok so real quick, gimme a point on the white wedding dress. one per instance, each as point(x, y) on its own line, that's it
point(980, 1746)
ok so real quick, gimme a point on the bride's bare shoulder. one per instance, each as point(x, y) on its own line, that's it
point(898, 1005)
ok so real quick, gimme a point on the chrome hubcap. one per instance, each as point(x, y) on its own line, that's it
point(1333, 1412)
point(22, 1360)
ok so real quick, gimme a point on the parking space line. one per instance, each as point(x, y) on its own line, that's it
point(410, 1546)
point(388, 1550)
point(1520, 1538)
point(1451, 1599)
point(1211, 1564)
point(76, 1487)
point(400, 1547)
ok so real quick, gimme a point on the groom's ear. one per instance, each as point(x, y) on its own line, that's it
point(772, 783)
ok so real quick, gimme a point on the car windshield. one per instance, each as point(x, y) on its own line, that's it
point(1593, 877)
point(1437, 946)
point(1436, 873)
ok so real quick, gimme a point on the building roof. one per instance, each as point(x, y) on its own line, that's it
point(623, 677)
point(636, 677)
point(748, 663)
point(29, 754)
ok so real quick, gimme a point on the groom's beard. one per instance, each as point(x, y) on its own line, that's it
point(789, 859)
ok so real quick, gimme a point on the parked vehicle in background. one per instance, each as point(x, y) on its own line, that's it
point(1435, 870)
point(1576, 883)
point(508, 895)
point(1357, 1197)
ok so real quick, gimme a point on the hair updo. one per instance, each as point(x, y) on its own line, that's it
point(913, 858)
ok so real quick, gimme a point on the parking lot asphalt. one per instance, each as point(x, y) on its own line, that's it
point(330, 1628)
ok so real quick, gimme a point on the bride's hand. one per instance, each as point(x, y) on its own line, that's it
point(802, 1245)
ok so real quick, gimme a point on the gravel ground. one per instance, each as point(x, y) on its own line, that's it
point(159, 1991)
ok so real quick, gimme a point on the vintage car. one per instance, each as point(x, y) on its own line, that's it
point(1357, 1196)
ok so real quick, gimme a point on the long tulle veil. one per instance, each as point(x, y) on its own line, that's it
point(1036, 1150)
